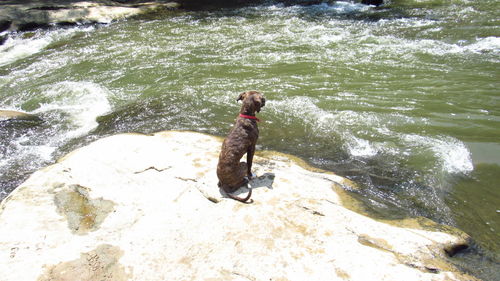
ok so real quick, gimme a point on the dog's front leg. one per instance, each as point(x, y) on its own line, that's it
point(250, 153)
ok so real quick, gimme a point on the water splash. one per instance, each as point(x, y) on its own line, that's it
point(68, 109)
point(81, 102)
point(453, 156)
point(366, 135)
point(24, 44)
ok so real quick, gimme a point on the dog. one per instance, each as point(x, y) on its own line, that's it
point(241, 139)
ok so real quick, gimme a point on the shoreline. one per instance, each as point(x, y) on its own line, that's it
point(27, 15)
point(30, 15)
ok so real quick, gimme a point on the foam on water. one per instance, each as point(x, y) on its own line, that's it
point(82, 102)
point(69, 110)
point(451, 153)
point(337, 7)
point(19, 46)
point(481, 46)
point(376, 41)
point(455, 155)
point(359, 131)
point(342, 7)
point(16, 48)
point(488, 44)
point(361, 148)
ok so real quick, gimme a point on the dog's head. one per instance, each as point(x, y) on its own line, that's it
point(253, 101)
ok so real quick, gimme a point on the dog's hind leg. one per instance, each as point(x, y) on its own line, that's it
point(241, 175)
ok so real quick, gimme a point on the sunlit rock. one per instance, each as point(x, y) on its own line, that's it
point(27, 15)
point(17, 115)
point(137, 207)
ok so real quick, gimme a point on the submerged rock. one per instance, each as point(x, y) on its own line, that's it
point(137, 207)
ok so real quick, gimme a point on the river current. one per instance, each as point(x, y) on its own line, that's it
point(403, 99)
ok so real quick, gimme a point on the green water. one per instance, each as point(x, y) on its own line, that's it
point(403, 99)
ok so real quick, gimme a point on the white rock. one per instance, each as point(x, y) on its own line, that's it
point(137, 207)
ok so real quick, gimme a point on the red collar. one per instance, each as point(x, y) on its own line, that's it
point(249, 117)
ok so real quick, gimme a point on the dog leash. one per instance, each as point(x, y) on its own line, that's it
point(250, 117)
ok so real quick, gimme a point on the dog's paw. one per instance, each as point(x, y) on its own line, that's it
point(246, 180)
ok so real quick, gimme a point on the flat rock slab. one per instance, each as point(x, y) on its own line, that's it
point(137, 207)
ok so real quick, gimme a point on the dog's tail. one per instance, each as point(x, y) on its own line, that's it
point(243, 200)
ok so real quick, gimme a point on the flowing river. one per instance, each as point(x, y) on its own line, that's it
point(403, 99)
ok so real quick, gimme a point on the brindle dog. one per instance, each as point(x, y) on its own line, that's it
point(231, 172)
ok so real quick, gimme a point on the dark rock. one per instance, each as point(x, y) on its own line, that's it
point(4, 25)
point(30, 26)
point(372, 2)
point(454, 249)
point(3, 38)
point(215, 4)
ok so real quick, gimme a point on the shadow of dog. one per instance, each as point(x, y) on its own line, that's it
point(266, 180)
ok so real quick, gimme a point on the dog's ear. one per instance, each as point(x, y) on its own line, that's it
point(242, 96)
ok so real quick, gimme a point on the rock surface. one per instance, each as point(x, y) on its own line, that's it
point(25, 15)
point(137, 207)
point(17, 115)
